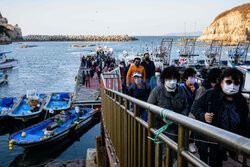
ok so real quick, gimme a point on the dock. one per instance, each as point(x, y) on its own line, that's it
point(89, 96)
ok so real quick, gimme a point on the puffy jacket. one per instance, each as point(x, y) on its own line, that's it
point(141, 93)
point(162, 98)
point(133, 69)
point(177, 103)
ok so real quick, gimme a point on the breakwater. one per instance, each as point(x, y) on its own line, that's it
point(78, 38)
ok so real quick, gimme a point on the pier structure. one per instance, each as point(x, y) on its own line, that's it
point(130, 141)
point(87, 96)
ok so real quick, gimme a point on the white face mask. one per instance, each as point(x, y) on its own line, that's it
point(230, 89)
point(157, 74)
point(170, 85)
point(121, 66)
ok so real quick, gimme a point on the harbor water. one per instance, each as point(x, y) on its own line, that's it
point(52, 67)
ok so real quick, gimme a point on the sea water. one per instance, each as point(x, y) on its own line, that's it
point(52, 67)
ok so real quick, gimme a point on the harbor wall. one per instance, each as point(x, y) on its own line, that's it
point(78, 38)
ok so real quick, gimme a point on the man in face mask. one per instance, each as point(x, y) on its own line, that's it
point(225, 107)
point(149, 67)
point(134, 68)
point(140, 90)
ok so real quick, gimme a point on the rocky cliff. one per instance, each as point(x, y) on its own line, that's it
point(230, 26)
point(8, 32)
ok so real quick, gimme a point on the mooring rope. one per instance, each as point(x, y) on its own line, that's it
point(163, 114)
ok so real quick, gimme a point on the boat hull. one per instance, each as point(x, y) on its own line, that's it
point(70, 130)
point(9, 64)
point(20, 111)
point(58, 105)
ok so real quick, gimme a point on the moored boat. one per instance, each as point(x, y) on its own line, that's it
point(6, 63)
point(53, 129)
point(6, 104)
point(28, 107)
point(58, 101)
point(3, 77)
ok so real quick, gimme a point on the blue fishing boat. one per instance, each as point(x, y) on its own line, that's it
point(28, 107)
point(53, 129)
point(58, 101)
point(6, 104)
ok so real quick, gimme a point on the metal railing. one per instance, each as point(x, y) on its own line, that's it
point(127, 133)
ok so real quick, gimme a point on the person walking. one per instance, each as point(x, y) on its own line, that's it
point(225, 107)
point(190, 86)
point(155, 80)
point(139, 90)
point(87, 79)
point(149, 67)
point(83, 77)
point(135, 68)
point(171, 96)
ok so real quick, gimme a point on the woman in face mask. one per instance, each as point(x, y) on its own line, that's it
point(190, 86)
point(225, 107)
point(171, 96)
point(155, 80)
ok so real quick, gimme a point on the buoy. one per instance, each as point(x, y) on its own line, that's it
point(23, 134)
point(11, 148)
point(77, 123)
point(10, 145)
point(41, 138)
point(12, 141)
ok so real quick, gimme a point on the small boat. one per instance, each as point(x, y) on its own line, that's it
point(53, 129)
point(213, 54)
point(3, 77)
point(187, 56)
point(6, 63)
point(28, 107)
point(239, 55)
point(58, 101)
point(6, 104)
point(27, 46)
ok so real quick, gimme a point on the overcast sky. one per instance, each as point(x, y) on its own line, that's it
point(96, 17)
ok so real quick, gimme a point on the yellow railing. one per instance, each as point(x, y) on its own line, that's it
point(127, 134)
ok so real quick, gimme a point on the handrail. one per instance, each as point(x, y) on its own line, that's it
point(233, 141)
point(127, 133)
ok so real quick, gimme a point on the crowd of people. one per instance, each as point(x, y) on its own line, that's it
point(217, 101)
point(96, 64)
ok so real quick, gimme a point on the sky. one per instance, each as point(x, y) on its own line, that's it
point(113, 17)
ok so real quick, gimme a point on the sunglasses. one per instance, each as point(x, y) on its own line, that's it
point(229, 82)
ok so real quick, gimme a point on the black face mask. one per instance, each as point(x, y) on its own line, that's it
point(147, 58)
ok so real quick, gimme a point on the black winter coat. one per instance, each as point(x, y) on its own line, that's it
point(211, 101)
point(149, 69)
